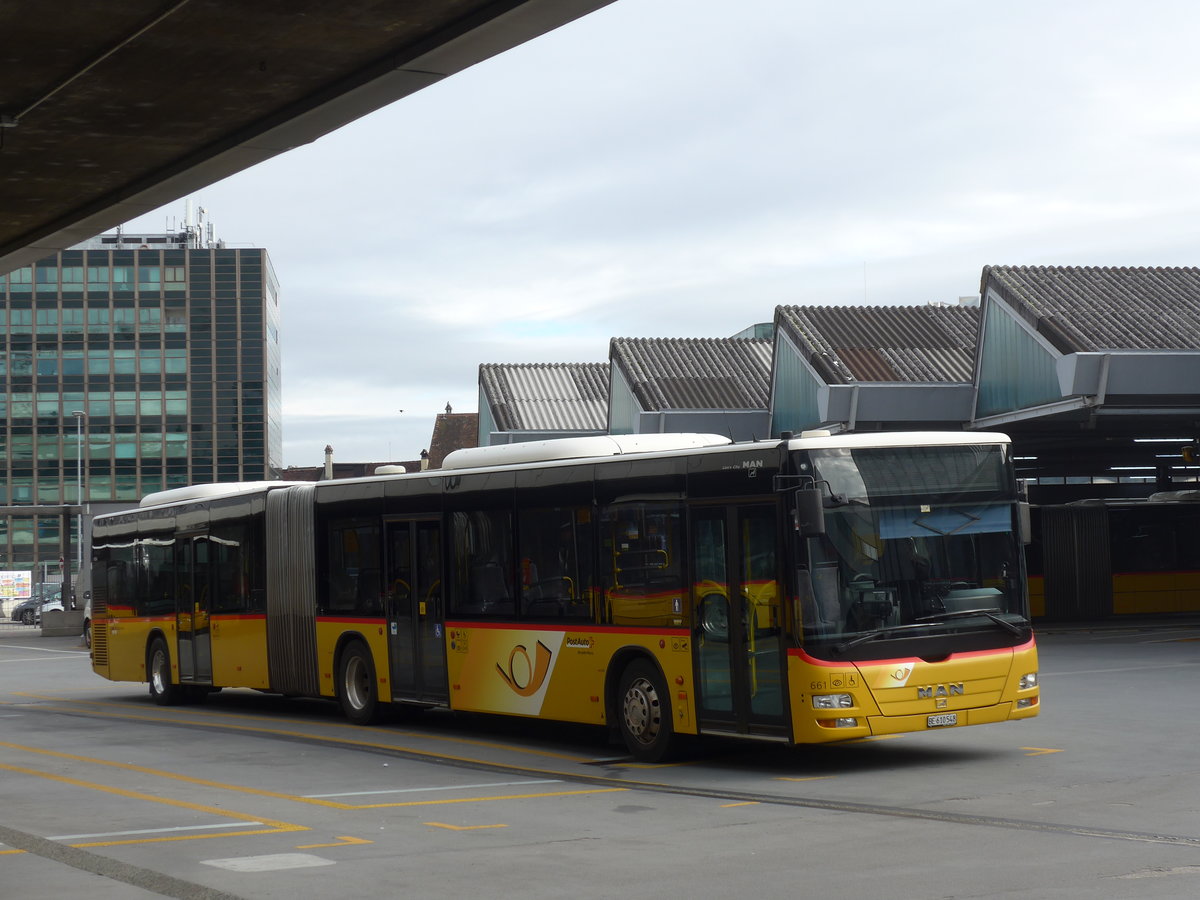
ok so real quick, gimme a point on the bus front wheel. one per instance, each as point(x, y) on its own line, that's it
point(358, 691)
point(644, 712)
point(158, 673)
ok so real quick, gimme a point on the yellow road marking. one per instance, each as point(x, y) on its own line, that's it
point(273, 826)
point(744, 803)
point(343, 841)
point(809, 778)
point(1039, 751)
point(88, 707)
point(215, 714)
point(462, 827)
point(276, 795)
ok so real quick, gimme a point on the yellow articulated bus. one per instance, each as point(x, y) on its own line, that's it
point(808, 589)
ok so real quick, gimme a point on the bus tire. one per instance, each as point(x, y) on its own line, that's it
point(158, 674)
point(358, 691)
point(644, 712)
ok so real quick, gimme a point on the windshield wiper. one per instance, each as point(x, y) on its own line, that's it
point(992, 614)
point(864, 637)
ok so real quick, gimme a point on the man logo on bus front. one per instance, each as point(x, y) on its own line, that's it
point(523, 676)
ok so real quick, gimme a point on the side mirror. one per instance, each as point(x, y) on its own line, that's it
point(808, 515)
point(1024, 522)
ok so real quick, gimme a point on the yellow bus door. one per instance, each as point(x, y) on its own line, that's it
point(738, 639)
point(192, 609)
point(415, 609)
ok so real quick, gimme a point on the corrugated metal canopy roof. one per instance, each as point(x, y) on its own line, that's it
point(695, 373)
point(1085, 308)
point(885, 343)
point(547, 396)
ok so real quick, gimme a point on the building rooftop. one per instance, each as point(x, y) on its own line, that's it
point(1085, 308)
point(695, 373)
point(547, 396)
point(848, 344)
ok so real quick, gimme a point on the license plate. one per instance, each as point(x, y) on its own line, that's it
point(942, 720)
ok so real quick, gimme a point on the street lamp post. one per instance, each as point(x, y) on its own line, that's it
point(79, 415)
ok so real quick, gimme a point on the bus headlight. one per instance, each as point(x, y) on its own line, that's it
point(1029, 680)
point(832, 701)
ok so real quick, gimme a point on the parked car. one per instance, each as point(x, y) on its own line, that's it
point(26, 612)
point(29, 612)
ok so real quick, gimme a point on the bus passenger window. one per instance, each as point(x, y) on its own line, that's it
point(642, 570)
point(354, 585)
point(555, 563)
point(483, 567)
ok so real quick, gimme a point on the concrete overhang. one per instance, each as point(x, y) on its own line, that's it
point(110, 110)
point(1129, 372)
point(896, 402)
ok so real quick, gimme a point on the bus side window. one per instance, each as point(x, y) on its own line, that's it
point(555, 562)
point(641, 559)
point(354, 584)
point(483, 567)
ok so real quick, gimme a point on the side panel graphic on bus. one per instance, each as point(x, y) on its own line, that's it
point(550, 673)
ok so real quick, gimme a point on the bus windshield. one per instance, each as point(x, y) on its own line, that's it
point(918, 542)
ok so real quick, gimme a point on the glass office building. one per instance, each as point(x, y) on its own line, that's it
point(155, 358)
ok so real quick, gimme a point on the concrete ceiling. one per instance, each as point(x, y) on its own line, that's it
point(110, 110)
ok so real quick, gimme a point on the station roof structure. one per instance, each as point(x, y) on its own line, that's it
point(695, 373)
point(1090, 363)
point(536, 398)
point(111, 110)
point(850, 344)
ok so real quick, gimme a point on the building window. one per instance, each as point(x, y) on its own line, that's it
point(21, 322)
point(124, 362)
point(97, 278)
point(72, 279)
point(98, 320)
point(47, 279)
point(72, 362)
point(149, 278)
point(99, 363)
point(72, 321)
point(20, 281)
point(124, 321)
point(125, 403)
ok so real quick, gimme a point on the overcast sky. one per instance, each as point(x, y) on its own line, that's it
point(677, 168)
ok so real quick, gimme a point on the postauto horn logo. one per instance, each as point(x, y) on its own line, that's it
point(524, 675)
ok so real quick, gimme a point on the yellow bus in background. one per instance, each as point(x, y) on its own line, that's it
point(808, 589)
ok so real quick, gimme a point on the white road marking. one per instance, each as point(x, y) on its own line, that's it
point(108, 834)
point(449, 787)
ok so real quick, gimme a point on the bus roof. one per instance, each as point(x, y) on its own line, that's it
point(208, 491)
point(598, 447)
point(577, 448)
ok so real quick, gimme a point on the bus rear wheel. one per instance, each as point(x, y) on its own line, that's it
point(158, 674)
point(358, 691)
point(644, 713)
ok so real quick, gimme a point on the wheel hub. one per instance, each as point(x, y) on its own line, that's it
point(643, 712)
